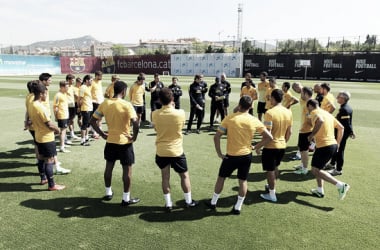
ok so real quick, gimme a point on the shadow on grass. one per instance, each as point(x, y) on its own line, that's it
point(84, 207)
point(19, 187)
point(12, 174)
point(179, 213)
point(284, 198)
point(25, 153)
point(14, 164)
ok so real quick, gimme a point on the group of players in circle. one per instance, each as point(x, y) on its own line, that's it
point(318, 128)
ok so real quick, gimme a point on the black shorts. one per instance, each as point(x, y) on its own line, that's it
point(139, 109)
point(86, 115)
point(62, 123)
point(303, 142)
point(179, 164)
point(242, 163)
point(122, 152)
point(72, 113)
point(323, 155)
point(155, 105)
point(261, 108)
point(94, 107)
point(47, 149)
point(271, 158)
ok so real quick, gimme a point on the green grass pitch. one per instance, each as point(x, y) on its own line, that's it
point(76, 218)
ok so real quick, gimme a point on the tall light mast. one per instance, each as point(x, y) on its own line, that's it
point(239, 28)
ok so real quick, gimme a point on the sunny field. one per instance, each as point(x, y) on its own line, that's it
point(77, 218)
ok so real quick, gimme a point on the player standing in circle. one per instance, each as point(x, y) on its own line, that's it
point(344, 116)
point(109, 90)
point(326, 146)
point(71, 102)
point(249, 90)
point(168, 123)
point(119, 114)
point(239, 150)
point(61, 113)
point(44, 134)
point(97, 95)
point(328, 98)
point(136, 96)
point(217, 93)
point(279, 121)
point(85, 104)
point(227, 85)
point(304, 132)
point(288, 100)
point(155, 87)
point(262, 88)
point(197, 92)
point(177, 92)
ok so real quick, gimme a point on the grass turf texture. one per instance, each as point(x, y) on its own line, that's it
point(76, 218)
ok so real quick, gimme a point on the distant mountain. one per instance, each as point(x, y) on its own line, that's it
point(77, 43)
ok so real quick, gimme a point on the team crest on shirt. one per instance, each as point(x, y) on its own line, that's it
point(77, 64)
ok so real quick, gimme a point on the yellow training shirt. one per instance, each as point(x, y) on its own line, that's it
point(325, 135)
point(287, 99)
point(249, 91)
point(278, 119)
point(262, 88)
point(110, 91)
point(85, 94)
point(46, 103)
point(40, 116)
point(136, 94)
point(268, 93)
point(306, 126)
point(118, 114)
point(76, 93)
point(240, 129)
point(327, 102)
point(61, 106)
point(28, 103)
point(97, 91)
point(71, 96)
point(168, 123)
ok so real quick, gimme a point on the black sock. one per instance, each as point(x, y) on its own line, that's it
point(49, 173)
point(41, 169)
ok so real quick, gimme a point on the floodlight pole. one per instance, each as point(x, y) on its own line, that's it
point(305, 72)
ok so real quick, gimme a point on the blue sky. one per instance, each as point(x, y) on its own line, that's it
point(126, 21)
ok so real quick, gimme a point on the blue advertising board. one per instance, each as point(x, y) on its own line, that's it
point(29, 65)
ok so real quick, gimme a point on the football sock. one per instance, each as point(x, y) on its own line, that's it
point(49, 174)
point(108, 190)
point(272, 193)
point(339, 184)
point(41, 169)
point(239, 203)
point(168, 200)
point(126, 196)
point(187, 197)
point(320, 190)
point(215, 198)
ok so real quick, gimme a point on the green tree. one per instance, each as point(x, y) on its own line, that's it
point(209, 49)
point(119, 50)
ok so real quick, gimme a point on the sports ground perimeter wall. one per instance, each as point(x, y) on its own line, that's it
point(29, 65)
point(211, 64)
point(338, 67)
